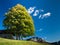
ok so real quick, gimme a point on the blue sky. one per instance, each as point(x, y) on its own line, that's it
point(45, 13)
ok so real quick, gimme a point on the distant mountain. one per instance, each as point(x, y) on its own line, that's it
point(36, 39)
point(40, 40)
point(56, 43)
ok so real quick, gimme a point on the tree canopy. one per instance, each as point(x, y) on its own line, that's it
point(18, 21)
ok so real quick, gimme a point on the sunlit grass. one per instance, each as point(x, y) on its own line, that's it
point(18, 42)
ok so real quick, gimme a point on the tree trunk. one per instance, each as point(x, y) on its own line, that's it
point(16, 37)
point(19, 37)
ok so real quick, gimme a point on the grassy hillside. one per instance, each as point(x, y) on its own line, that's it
point(17, 42)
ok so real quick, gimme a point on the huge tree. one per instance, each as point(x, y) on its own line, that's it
point(19, 22)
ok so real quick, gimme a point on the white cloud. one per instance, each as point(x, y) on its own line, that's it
point(41, 10)
point(31, 10)
point(45, 15)
point(40, 29)
point(45, 37)
point(36, 13)
point(40, 16)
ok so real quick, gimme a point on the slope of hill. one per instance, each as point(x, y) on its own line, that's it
point(19, 42)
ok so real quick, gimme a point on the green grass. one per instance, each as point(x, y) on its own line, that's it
point(19, 42)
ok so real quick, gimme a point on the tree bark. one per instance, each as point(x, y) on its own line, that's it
point(16, 37)
point(19, 37)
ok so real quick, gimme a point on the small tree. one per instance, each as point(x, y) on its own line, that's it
point(19, 22)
